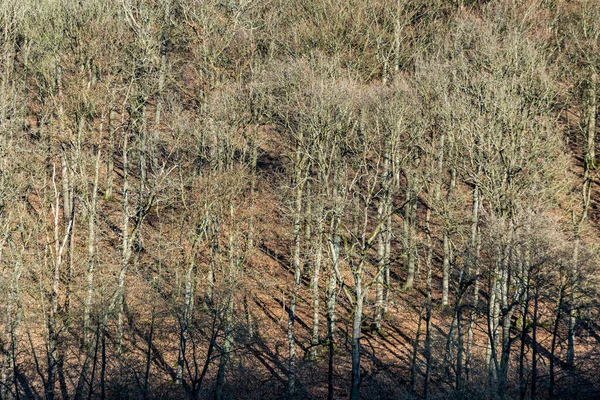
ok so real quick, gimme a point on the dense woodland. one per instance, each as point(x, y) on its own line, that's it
point(244, 199)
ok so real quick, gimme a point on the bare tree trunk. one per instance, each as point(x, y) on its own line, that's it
point(126, 245)
point(94, 364)
point(188, 307)
point(214, 250)
point(70, 193)
point(387, 254)
point(410, 213)
point(314, 283)
point(103, 368)
point(149, 354)
point(449, 361)
point(507, 310)
point(589, 166)
point(534, 355)
point(163, 67)
point(297, 231)
point(493, 319)
point(66, 189)
point(88, 334)
point(522, 375)
point(53, 330)
point(438, 201)
point(415, 355)
point(250, 243)
point(226, 350)
point(572, 309)
point(308, 228)
point(446, 245)
point(474, 269)
point(557, 319)
point(459, 350)
point(357, 261)
point(334, 244)
point(383, 240)
point(428, 305)
point(143, 150)
point(13, 305)
point(91, 253)
point(228, 313)
point(398, 28)
point(379, 296)
point(355, 341)
point(110, 154)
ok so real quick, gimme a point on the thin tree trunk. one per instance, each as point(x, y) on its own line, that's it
point(227, 348)
point(415, 355)
point(297, 231)
point(507, 312)
point(449, 362)
point(250, 244)
point(334, 244)
point(91, 253)
point(388, 252)
point(315, 288)
point(103, 368)
point(162, 72)
point(228, 313)
point(493, 319)
point(214, 250)
point(12, 322)
point(356, 332)
point(410, 212)
point(110, 154)
point(459, 350)
point(94, 363)
point(428, 305)
point(308, 231)
point(589, 165)
point(66, 189)
point(187, 313)
point(299, 181)
point(534, 346)
point(398, 28)
point(52, 323)
point(70, 258)
point(126, 245)
point(383, 240)
point(149, 356)
point(474, 269)
point(554, 342)
point(522, 374)
point(446, 245)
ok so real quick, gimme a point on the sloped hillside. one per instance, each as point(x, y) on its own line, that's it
point(254, 199)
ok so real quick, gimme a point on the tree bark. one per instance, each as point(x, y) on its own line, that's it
point(410, 213)
point(446, 244)
point(428, 305)
point(110, 153)
point(52, 323)
point(299, 181)
point(589, 166)
point(334, 244)
point(91, 253)
point(534, 356)
point(314, 283)
point(383, 240)
point(557, 319)
point(188, 307)
point(355, 341)
point(474, 269)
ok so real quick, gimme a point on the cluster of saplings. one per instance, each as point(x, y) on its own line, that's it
point(299, 199)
